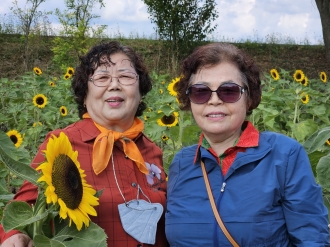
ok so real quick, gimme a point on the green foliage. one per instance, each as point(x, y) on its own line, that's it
point(33, 121)
point(182, 23)
point(168, 126)
point(76, 36)
point(291, 108)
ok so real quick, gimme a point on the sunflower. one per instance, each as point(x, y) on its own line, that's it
point(304, 81)
point(15, 137)
point(67, 76)
point(37, 123)
point(70, 71)
point(164, 138)
point(169, 121)
point(172, 85)
point(63, 111)
point(163, 82)
point(304, 98)
point(145, 118)
point(37, 71)
point(323, 76)
point(40, 100)
point(161, 91)
point(52, 84)
point(65, 183)
point(274, 73)
point(328, 141)
point(298, 75)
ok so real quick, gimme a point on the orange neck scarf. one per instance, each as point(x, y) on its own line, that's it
point(103, 146)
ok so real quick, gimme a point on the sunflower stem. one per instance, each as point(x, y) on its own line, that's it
point(295, 111)
point(180, 128)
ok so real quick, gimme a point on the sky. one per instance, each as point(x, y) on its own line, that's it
point(278, 21)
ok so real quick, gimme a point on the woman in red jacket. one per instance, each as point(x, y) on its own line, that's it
point(108, 86)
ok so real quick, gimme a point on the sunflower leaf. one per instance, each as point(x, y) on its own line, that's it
point(22, 170)
point(18, 215)
point(71, 237)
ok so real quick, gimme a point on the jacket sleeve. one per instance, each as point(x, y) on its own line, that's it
point(305, 214)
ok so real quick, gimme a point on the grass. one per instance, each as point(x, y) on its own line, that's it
point(273, 51)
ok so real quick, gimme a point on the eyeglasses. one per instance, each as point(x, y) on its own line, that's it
point(228, 92)
point(104, 79)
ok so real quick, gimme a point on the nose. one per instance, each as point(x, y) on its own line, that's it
point(214, 99)
point(114, 84)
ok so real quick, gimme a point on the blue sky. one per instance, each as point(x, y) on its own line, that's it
point(239, 20)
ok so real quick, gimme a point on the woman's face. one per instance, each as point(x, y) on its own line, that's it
point(218, 120)
point(115, 105)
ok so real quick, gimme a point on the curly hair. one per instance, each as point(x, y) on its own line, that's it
point(211, 55)
point(99, 55)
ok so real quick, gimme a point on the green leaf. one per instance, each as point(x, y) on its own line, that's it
point(304, 128)
point(316, 140)
point(22, 170)
point(16, 215)
point(6, 197)
point(71, 237)
point(323, 172)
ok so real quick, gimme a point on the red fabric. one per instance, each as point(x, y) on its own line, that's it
point(82, 135)
point(248, 138)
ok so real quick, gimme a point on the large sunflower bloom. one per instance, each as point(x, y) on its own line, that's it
point(63, 111)
point(15, 137)
point(304, 81)
point(323, 76)
point(274, 73)
point(37, 71)
point(298, 75)
point(65, 182)
point(171, 86)
point(40, 100)
point(169, 121)
point(304, 98)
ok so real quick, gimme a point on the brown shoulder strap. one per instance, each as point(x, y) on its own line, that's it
point(214, 208)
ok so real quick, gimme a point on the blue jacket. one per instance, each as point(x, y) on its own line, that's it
point(269, 198)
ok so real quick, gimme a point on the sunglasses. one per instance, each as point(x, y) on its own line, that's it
point(228, 92)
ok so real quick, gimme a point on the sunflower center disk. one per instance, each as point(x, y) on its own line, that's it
point(67, 181)
point(168, 119)
point(40, 101)
point(14, 139)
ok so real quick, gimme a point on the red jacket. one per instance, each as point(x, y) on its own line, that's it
point(82, 135)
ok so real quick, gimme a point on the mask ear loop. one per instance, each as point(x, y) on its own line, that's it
point(121, 193)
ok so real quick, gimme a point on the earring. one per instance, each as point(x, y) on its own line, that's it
point(84, 105)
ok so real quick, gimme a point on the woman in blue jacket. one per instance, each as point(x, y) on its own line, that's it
point(262, 183)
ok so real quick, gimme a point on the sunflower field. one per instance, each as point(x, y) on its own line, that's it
point(37, 103)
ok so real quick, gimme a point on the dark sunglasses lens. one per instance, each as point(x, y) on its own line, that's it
point(199, 94)
point(229, 92)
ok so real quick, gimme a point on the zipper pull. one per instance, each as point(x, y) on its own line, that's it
point(223, 187)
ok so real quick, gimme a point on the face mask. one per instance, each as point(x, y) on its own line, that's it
point(139, 219)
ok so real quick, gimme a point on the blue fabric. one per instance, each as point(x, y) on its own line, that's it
point(270, 198)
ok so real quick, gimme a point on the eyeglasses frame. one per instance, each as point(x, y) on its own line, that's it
point(243, 89)
point(92, 80)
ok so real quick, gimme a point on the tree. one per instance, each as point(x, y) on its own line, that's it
point(324, 9)
point(76, 34)
point(182, 22)
point(26, 17)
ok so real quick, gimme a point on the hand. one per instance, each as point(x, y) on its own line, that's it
point(18, 240)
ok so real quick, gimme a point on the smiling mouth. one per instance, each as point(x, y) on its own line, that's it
point(114, 100)
point(216, 115)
